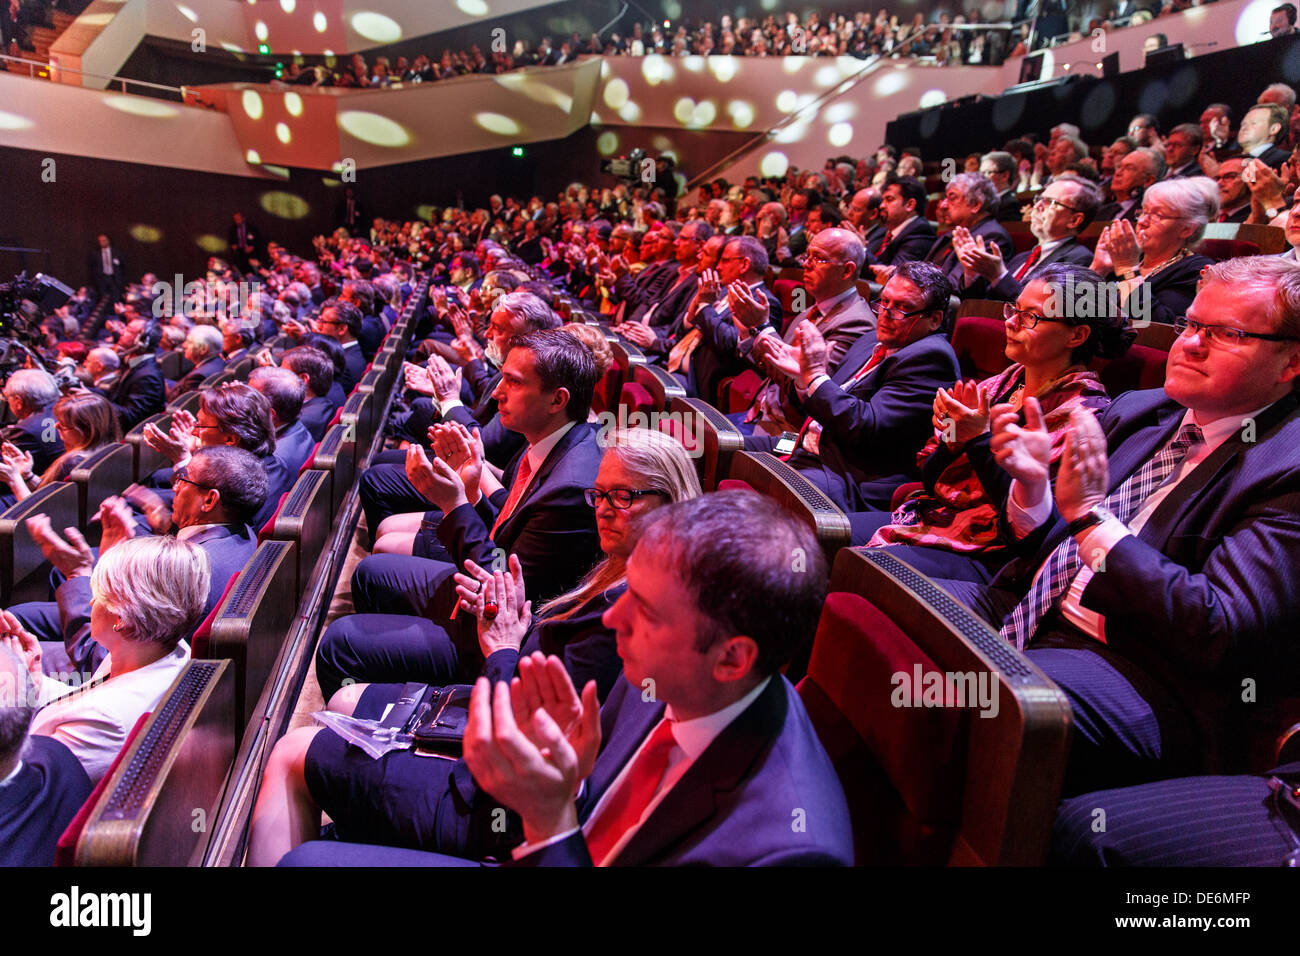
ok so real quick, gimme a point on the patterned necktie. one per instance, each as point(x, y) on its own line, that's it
point(1064, 564)
point(1034, 255)
point(516, 492)
point(884, 244)
point(626, 806)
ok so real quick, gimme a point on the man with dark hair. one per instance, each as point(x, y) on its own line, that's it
point(284, 392)
point(362, 294)
point(317, 374)
point(42, 785)
point(1281, 21)
point(1183, 151)
point(865, 423)
point(342, 321)
point(908, 234)
point(537, 511)
point(999, 168)
point(139, 391)
point(711, 615)
point(463, 272)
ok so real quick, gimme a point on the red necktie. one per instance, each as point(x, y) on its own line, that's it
point(877, 356)
point(1034, 255)
point(516, 492)
point(625, 807)
point(884, 243)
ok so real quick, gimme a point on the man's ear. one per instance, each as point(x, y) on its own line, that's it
point(737, 660)
point(1292, 368)
point(560, 399)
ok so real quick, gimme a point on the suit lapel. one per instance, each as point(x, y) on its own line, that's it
point(561, 447)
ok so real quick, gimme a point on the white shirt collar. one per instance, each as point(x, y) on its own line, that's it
point(13, 776)
point(900, 227)
point(184, 534)
point(1260, 150)
point(828, 305)
point(1219, 430)
point(1052, 244)
point(694, 736)
point(537, 453)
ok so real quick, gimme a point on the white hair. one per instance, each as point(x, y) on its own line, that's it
point(34, 387)
point(207, 336)
point(157, 585)
point(1195, 198)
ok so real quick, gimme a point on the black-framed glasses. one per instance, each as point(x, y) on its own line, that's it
point(620, 499)
point(180, 475)
point(894, 313)
point(1225, 334)
point(1025, 318)
point(1049, 201)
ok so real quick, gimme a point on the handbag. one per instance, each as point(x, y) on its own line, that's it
point(440, 720)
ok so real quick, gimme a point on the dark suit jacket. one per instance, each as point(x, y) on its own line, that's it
point(104, 282)
point(672, 302)
point(1208, 593)
point(316, 415)
point(1008, 207)
point(194, 378)
point(139, 392)
point(36, 434)
point(909, 245)
point(1241, 215)
point(1275, 157)
point(1008, 289)
point(721, 353)
point(1182, 172)
point(37, 805)
point(942, 254)
point(1169, 292)
point(734, 806)
point(1110, 211)
point(293, 446)
point(354, 366)
point(372, 334)
point(279, 480)
point(552, 529)
point(872, 432)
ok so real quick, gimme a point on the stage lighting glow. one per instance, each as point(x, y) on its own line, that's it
point(629, 112)
point(693, 64)
point(140, 106)
point(280, 171)
point(293, 104)
point(767, 4)
point(672, 10)
point(426, 212)
point(841, 134)
point(794, 133)
point(616, 93)
point(253, 157)
point(933, 98)
point(793, 64)
point(890, 83)
point(288, 5)
point(787, 101)
point(656, 69)
point(330, 182)
point(373, 128)
point(607, 143)
point(14, 121)
point(742, 114)
point(475, 8)
point(1252, 22)
point(662, 144)
point(284, 205)
point(376, 27)
point(826, 76)
point(839, 112)
point(252, 103)
point(260, 31)
point(723, 68)
point(142, 233)
point(187, 13)
point(496, 123)
point(231, 47)
point(704, 114)
point(212, 245)
point(95, 19)
point(683, 109)
point(319, 22)
point(282, 132)
point(535, 90)
point(774, 163)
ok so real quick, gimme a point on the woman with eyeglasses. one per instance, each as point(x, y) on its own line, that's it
point(406, 800)
point(84, 422)
point(1155, 266)
point(956, 522)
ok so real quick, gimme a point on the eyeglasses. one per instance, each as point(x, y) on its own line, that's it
point(817, 259)
point(1026, 319)
point(893, 313)
point(1157, 216)
point(1225, 334)
point(180, 475)
point(620, 499)
point(1042, 201)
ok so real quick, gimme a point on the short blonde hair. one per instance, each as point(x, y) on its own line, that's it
point(158, 586)
point(592, 337)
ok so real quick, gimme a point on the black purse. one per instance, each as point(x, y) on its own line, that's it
point(440, 720)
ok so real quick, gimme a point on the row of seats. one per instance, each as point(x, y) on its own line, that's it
point(157, 804)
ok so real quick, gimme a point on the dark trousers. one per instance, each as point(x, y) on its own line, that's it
point(393, 648)
point(385, 490)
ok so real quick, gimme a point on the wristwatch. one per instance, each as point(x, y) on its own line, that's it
point(1272, 213)
point(1095, 516)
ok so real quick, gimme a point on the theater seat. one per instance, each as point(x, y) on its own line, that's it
point(626, 354)
point(1222, 249)
point(932, 784)
point(713, 439)
point(1139, 367)
point(784, 289)
point(22, 564)
point(980, 343)
point(169, 363)
point(357, 416)
point(770, 476)
point(186, 402)
point(337, 454)
point(636, 398)
point(156, 806)
point(147, 461)
point(661, 385)
point(306, 518)
point(737, 393)
point(605, 396)
point(105, 471)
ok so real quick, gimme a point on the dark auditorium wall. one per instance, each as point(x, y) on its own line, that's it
point(1102, 108)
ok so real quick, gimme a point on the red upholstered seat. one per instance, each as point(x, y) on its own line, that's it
point(65, 851)
point(980, 344)
point(903, 492)
point(637, 398)
point(784, 290)
point(311, 459)
point(1023, 241)
point(266, 529)
point(685, 436)
point(1222, 249)
point(607, 390)
point(1140, 367)
point(737, 393)
point(902, 767)
point(199, 643)
point(733, 484)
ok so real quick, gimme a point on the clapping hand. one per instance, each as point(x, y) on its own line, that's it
point(117, 521)
point(961, 413)
point(417, 378)
point(436, 480)
point(977, 258)
point(443, 379)
point(812, 354)
point(779, 357)
point(1023, 451)
point(1084, 474)
point(73, 558)
point(496, 598)
point(462, 450)
point(26, 648)
point(748, 309)
point(636, 332)
point(1121, 245)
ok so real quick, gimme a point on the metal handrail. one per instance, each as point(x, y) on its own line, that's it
point(32, 64)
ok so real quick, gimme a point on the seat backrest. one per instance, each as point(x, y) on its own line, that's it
point(241, 369)
point(169, 363)
point(980, 344)
point(1223, 249)
point(661, 385)
point(358, 418)
point(626, 354)
point(1269, 240)
point(306, 518)
point(713, 438)
point(635, 399)
point(105, 471)
point(770, 476)
point(783, 289)
point(336, 454)
point(217, 379)
point(147, 461)
point(157, 806)
point(252, 621)
point(1014, 750)
point(605, 396)
point(1140, 367)
point(22, 563)
point(186, 401)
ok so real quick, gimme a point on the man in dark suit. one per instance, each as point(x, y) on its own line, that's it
point(44, 784)
point(1162, 579)
point(342, 321)
point(1060, 213)
point(1234, 191)
point(203, 351)
point(1261, 128)
point(648, 323)
point(1000, 169)
point(1133, 174)
point(31, 394)
point(139, 389)
point(284, 391)
point(215, 496)
point(107, 274)
point(243, 242)
point(908, 234)
point(968, 203)
point(866, 423)
point(724, 720)
point(538, 512)
point(316, 372)
point(1183, 151)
